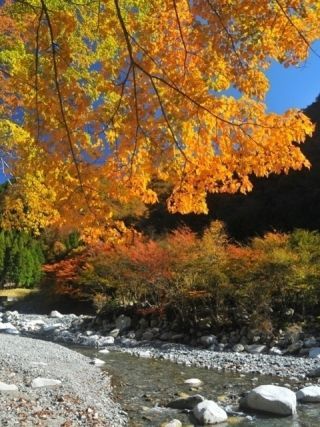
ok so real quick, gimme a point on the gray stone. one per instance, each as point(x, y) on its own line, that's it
point(114, 333)
point(275, 351)
point(51, 328)
point(45, 382)
point(7, 388)
point(92, 341)
point(186, 403)
point(314, 372)
point(255, 348)
point(309, 394)
point(106, 341)
point(209, 412)
point(238, 348)
point(272, 399)
point(148, 335)
point(207, 340)
point(56, 314)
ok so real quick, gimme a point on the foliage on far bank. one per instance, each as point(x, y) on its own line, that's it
point(199, 276)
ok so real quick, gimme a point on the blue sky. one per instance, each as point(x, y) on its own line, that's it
point(294, 87)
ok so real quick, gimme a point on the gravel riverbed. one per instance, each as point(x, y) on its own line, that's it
point(82, 399)
point(262, 364)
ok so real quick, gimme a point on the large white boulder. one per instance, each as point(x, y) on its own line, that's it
point(272, 399)
point(309, 394)
point(209, 412)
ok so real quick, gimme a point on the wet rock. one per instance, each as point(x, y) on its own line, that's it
point(272, 399)
point(45, 382)
point(97, 362)
point(104, 351)
point(309, 394)
point(209, 412)
point(7, 388)
point(172, 423)
point(193, 382)
point(186, 403)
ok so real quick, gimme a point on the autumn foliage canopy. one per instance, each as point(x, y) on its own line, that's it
point(99, 99)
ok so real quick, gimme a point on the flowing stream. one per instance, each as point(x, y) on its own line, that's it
point(144, 386)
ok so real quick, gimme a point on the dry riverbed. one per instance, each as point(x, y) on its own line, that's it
point(80, 397)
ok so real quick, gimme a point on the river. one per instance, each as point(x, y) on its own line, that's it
point(143, 386)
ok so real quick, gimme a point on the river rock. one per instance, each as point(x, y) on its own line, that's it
point(272, 399)
point(104, 351)
point(309, 394)
point(238, 348)
point(51, 328)
point(314, 352)
point(97, 362)
point(172, 423)
point(276, 351)
point(123, 322)
point(8, 328)
point(314, 372)
point(114, 333)
point(207, 340)
point(106, 341)
point(56, 314)
point(7, 388)
point(255, 348)
point(193, 382)
point(45, 382)
point(209, 412)
point(186, 403)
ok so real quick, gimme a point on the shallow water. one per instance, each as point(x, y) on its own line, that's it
point(144, 386)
